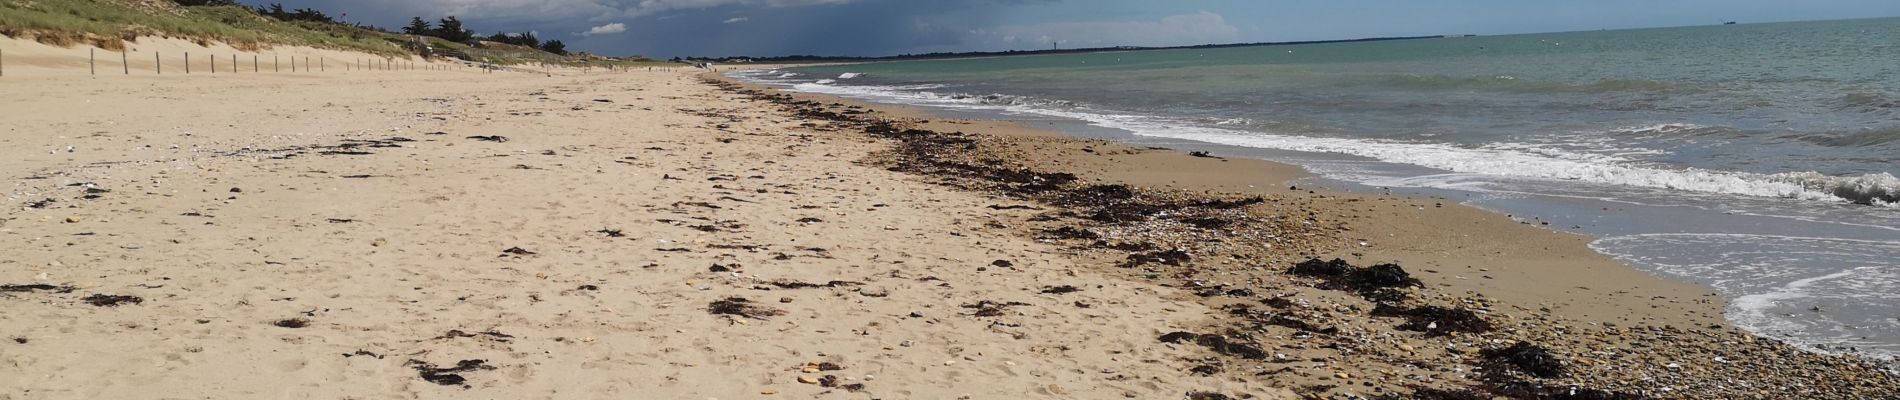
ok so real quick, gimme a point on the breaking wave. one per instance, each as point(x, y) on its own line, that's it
point(1503, 160)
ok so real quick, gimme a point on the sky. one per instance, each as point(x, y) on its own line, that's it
point(670, 28)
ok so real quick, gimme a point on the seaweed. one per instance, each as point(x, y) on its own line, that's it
point(1218, 343)
point(1064, 289)
point(1527, 357)
point(987, 308)
point(110, 300)
point(451, 376)
point(35, 287)
point(1435, 320)
point(740, 306)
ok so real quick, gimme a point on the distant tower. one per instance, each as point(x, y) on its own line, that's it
point(1055, 45)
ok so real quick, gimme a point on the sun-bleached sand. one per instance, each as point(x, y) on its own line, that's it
point(359, 206)
point(456, 234)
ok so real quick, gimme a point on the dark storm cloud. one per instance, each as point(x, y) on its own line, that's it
point(702, 27)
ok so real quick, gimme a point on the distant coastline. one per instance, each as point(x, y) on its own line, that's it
point(979, 54)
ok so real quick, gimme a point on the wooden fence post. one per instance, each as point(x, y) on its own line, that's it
point(274, 64)
point(253, 63)
point(92, 61)
point(158, 64)
point(123, 64)
point(187, 63)
point(213, 58)
point(234, 67)
point(320, 67)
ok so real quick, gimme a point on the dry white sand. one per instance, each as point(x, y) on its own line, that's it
point(356, 204)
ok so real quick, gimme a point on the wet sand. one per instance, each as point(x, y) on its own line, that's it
point(653, 235)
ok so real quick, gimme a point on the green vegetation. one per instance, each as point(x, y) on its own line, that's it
point(108, 24)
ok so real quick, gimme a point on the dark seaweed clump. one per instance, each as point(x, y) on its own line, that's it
point(111, 300)
point(1376, 283)
point(451, 376)
point(1530, 358)
point(1435, 320)
point(740, 306)
point(1218, 343)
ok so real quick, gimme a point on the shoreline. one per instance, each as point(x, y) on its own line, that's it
point(1555, 271)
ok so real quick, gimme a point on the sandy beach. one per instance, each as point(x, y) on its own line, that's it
point(667, 235)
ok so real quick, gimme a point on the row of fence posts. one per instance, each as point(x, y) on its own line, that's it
point(158, 64)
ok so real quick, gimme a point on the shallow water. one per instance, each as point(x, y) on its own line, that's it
point(1758, 159)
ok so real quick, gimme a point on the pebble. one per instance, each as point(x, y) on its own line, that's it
point(768, 391)
point(807, 379)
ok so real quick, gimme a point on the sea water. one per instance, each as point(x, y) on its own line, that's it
point(1759, 159)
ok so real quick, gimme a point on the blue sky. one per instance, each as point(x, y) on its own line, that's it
point(667, 28)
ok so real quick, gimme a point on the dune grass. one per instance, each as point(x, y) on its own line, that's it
point(107, 24)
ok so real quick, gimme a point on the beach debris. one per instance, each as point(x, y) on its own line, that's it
point(1424, 393)
point(1013, 207)
point(363, 353)
point(292, 323)
point(1218, 343)
point(1435, 320)
point(491, 334)
point(35, 287)
point(1203, 154)
point(987, 308)
point(1527, 357)
point(516, 252)
point(490, 138)
point(451, 376)
point(1002, 264)
point(110, 300)
point(1064, 289)
point(789, 284)
point(1370, 282)
point(339, 220)
point(1070, 232)
point(1200, 395)
point(42, 203)
point(740, 306)
point(1173, 257)
point(612, 233)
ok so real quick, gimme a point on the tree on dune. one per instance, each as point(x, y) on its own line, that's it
point(450, 29)
point(418, 27)
point(555, 46)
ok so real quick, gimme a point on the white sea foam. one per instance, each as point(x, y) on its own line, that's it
point(1503, 160)
point(849, 75)
point(1813, 291)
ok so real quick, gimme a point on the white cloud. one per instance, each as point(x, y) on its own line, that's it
point(1186, 29)
point(738, 20)
point(607, 29)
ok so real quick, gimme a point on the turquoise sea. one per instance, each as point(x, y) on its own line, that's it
point(1757, 158)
